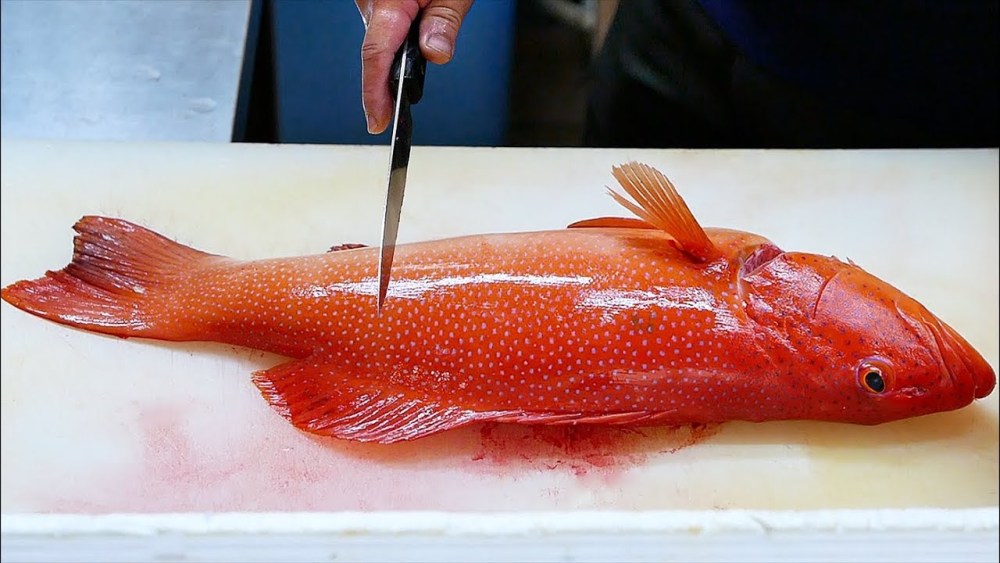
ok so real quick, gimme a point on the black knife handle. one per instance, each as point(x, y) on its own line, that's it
point(416, 66)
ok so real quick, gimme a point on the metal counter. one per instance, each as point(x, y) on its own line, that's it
point(122, 69)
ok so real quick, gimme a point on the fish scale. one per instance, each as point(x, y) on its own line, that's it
point(444, 324)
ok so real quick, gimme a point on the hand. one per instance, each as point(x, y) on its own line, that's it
point(386, 24)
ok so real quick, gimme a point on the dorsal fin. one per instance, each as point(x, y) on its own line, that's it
point(660, 204)
point(611, 223)
point(347, 246)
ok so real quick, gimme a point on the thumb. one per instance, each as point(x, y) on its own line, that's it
point(439, 25)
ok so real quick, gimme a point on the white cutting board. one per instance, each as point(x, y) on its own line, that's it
point(95, 424)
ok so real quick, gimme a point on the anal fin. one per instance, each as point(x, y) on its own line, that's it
point(319, 398)
point(623, 418)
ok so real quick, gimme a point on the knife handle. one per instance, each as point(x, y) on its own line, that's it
point(416, 65)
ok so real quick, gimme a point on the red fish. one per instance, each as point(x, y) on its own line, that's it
point(611, 321)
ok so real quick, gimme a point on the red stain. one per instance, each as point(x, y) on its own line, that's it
point(167, 452)
point(224, 479)
point(580, 450)
point(291, 470)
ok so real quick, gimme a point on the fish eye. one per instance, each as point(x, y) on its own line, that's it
point(874, 381)
point(874, 375)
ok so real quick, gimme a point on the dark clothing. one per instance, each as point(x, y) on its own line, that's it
point(804, 74)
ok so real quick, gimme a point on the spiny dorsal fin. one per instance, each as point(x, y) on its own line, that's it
point(659, 204)
point(611, 223)
point(347, 246)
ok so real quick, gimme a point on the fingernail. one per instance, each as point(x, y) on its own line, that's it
point(371, 122)
point(440, 43)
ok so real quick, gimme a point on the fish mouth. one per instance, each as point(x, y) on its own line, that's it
point(966, 366)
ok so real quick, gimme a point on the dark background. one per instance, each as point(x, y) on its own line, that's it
point(518, 76)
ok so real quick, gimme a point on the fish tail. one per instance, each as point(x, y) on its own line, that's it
point(120, 281)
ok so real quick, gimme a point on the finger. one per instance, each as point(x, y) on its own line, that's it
point(387, 27)
point(365, 7)
point(439, 26)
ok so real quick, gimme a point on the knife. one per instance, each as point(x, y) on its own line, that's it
point(406, 83)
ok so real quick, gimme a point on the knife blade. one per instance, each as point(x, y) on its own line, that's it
point(406, 82)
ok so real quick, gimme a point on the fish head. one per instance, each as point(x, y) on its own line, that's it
point(859, 349)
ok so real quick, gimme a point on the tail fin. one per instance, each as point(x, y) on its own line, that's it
point(119, 270)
